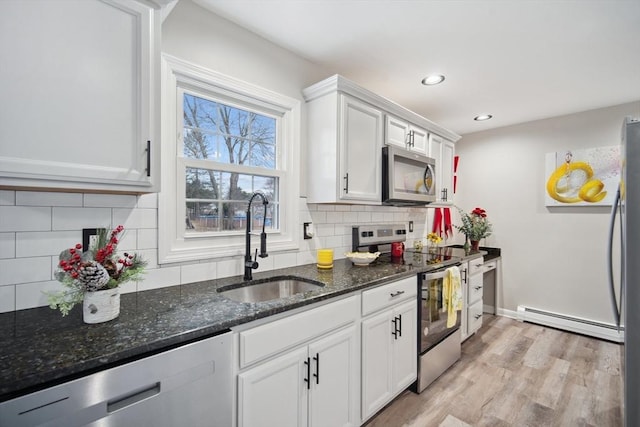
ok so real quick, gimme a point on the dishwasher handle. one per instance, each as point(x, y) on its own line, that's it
point(133, 397)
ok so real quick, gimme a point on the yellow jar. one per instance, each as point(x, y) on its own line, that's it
point(325, 258)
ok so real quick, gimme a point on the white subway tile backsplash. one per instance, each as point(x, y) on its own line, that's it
point(41, 198)
point(160, 278)
point(79, 218)
point(198, 272)
point(285, 260)
point(147, 238)
point(323, 230)
point(377, 217)
point(319, 217)
point(36, 226)
point(42, 243)
point(7, 298)
point(7, 245)
point(350, 218)
point(136, 218)
point(149, 201)
point(7, 198)
point(110, 201)
point(30, 295)
point(25, 218)
point(364, 217)
point(230, 267)
point(25, 270)
point(335, 217)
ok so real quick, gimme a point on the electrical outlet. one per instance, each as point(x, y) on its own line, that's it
point(307, 230)
point(89, 238)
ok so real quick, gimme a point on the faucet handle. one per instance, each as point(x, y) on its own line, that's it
point(263, 245)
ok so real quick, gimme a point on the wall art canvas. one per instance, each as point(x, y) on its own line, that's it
point(585, 177)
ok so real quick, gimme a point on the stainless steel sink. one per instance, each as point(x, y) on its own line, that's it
point(270, 289)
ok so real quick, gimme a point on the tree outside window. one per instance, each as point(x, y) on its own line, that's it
point(229, 154)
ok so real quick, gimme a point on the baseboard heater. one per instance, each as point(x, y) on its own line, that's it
point(572, 324)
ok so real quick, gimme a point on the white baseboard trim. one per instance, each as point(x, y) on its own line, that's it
point(566, 323)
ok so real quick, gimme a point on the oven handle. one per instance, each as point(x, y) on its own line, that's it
point(434, 276)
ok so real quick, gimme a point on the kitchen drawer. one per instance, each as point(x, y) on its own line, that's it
point(475, 288)
point(474, 317)
point(389, 294)
point(266, 340)
point(488, 266)
point(475, 265)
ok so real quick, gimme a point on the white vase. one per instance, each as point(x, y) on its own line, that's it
point(101, 306)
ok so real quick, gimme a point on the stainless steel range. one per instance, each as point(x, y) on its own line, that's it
point(438, 345)
point(377, 237)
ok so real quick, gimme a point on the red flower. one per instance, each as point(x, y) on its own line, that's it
point(479, 212)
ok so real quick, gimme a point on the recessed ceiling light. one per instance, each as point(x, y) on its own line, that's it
point(433, 79)
point(482, 117)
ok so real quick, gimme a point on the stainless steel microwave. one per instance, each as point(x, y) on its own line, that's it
point(408, 179)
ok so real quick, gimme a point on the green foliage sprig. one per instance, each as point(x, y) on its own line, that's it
point(475, 225)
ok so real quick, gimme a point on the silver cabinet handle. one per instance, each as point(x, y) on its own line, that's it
point(395, 294)
point(477, 288)
point(477, 316)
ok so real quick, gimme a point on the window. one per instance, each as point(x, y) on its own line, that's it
point(230, 140)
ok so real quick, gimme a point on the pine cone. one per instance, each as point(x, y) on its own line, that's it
point(93, 276)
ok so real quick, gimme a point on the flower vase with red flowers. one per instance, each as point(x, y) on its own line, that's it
point(475, 226)
point(93, 277)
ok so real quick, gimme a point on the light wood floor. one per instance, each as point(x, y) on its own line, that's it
point(519, 374)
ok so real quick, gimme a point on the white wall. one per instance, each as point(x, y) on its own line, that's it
point(35, 226)
point(553, 258)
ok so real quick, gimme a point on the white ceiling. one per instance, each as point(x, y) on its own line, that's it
point(519, 60)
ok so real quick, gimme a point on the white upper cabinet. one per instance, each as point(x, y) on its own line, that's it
point(346, 128)
point(344, 152)
point(403, 134)
point(443, 151)
point(79, 84)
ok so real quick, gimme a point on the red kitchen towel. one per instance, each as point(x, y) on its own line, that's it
point(437, 222)
point(448, 228)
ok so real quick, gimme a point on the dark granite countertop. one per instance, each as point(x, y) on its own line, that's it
point(40, 348)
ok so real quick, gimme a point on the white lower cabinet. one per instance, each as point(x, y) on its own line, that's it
point(315, 384)
point(474, 295)
point(310, 386)
point(389, 352)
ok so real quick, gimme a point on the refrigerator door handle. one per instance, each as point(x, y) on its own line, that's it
point(612, 291)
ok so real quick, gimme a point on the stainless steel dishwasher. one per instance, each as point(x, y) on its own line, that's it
point(186, 386)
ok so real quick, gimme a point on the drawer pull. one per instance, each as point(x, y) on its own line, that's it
point(395, 294)
point(477, 288)
point(477, 316)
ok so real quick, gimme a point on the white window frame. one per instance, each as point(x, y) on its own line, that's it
point(176, 245)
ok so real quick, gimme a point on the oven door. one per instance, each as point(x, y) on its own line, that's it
point(432, 313)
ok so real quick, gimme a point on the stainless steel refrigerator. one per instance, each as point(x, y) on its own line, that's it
point(625, 220)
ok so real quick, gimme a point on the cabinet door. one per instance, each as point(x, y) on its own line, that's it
point(419, 140)
point(377, 355)
point(333, 400)
point(274, 393)
point(360, 155)
point(443, 152)
point(396, 132)
point(405, 352)
point(78, 85)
